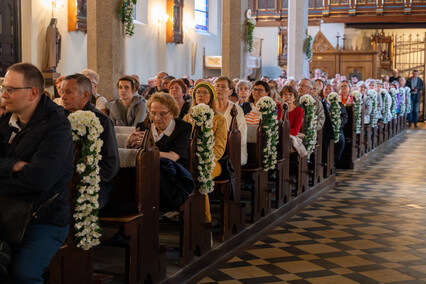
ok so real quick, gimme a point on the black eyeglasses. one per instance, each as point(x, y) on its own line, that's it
point(10, 90)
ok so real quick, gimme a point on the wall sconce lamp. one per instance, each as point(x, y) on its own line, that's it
point(162, 19)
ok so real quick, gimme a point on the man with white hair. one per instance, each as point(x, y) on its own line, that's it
point(305, 88)
point(395, 76)
point(317, 74)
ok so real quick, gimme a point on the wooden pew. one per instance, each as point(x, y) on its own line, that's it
point(232, 217)
point(71, 264)
point(134, 208)
point(315, 165)
point(195, 237)
point(368, 139)
point(283, 190)
point(354, 143)
point(299, 173)
point(260, 198)
point(360, 138)
point(328, 161)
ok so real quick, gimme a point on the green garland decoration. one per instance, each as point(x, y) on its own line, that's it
point(373, 95)
point(334, 100)
point(408, 100)
point(385, 105)
point(251, 23)
point(126, 16)
point(307, 47)
point(357, 97)
point(310, 123)
point(393, 93)
point(402, 103)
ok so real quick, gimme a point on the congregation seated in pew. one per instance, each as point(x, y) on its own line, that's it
point(223, 86)
point(130, 108)
point(178, 90)
point(251, 112)
point(77, 90)
point(171, 136)
point(295, 116)
point(204, 93)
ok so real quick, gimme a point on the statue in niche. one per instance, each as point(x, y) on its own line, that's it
point(53, 47)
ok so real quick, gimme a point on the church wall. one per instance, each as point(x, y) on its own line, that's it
point(35, 18)
point(147, 52)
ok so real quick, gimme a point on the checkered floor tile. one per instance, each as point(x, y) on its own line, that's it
point(371, 228)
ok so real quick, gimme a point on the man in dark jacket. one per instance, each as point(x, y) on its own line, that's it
point(76, 96)
point(36, 163)
point(416, 85)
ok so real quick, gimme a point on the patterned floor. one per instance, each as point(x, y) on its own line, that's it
point(371, 228)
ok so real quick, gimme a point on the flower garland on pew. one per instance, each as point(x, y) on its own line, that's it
point(266, 106)
point(402, 103)
point(334, 100)
point(393, 93)
point(357, 98)
point(86, 130)
point(385, 105)
point(310, 124)
point(408, 99)
point(202, 115)
point(373, 95)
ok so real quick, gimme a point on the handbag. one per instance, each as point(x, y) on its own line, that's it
point(15, 215)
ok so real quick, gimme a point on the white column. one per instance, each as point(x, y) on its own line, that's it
point(298, 65)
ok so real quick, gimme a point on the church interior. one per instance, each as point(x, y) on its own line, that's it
point(324, 212)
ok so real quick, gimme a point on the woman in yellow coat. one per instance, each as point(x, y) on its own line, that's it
point(204, 92)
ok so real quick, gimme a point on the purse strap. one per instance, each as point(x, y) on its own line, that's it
point(44, 205)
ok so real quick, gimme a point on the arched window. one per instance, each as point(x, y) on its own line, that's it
point(201, 15)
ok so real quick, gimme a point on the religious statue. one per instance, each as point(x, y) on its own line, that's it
point(53, 47)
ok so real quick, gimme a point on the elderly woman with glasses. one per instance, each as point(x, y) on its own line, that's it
point(205, 93)
point(171, 136)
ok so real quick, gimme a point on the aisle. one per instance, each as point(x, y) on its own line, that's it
point(371, 228)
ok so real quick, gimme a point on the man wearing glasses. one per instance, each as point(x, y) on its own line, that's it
point(77, 91)
point(36, 164)
point(305, 88)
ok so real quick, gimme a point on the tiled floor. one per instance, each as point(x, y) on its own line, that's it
point(371, 228)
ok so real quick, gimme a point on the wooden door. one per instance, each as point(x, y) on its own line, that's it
point(10, 34)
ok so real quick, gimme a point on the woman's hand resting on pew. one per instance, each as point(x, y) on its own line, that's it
point(135, 139)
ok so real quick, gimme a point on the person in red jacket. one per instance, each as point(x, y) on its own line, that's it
point(295, 114)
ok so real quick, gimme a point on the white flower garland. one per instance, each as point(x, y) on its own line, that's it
point(86, 129)
point(385, 105)
point(310, 124)
point(357, 97)
point(373, 95)
point(394, 93)
point(408, 99)
point(402, 103)
point(266, 106)
point(202, 115)
point(334, 100)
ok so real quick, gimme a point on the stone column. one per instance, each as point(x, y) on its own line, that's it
point(298, 65)
point(234, 38)
point(105, 44)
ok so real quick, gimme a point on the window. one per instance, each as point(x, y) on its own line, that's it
point(201, 15)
